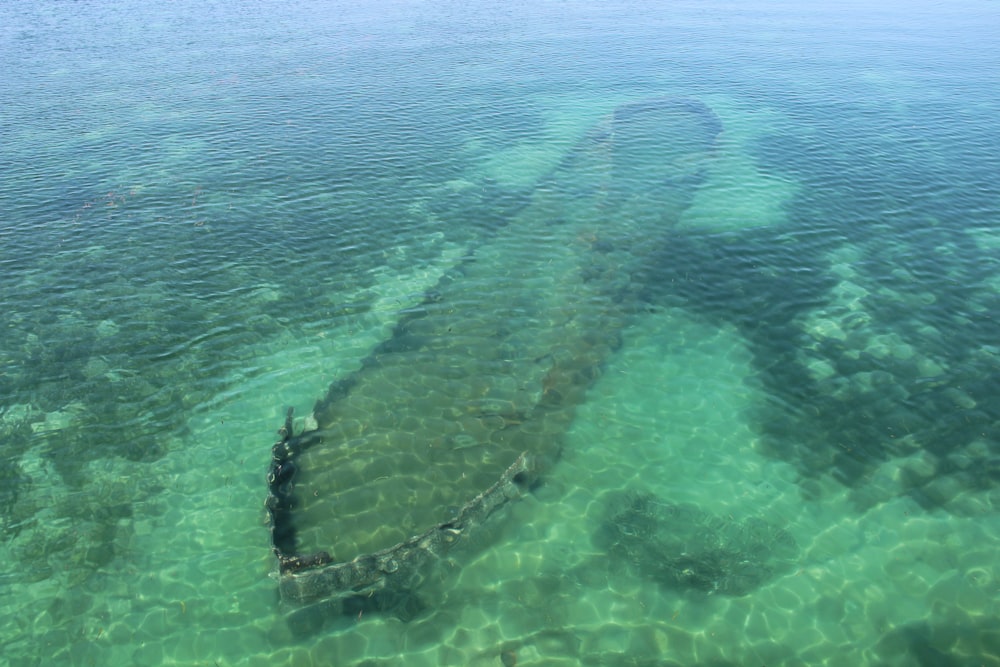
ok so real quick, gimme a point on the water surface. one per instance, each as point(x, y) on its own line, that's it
point(784, 451)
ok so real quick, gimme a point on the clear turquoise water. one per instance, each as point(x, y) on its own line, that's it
point(212, 212)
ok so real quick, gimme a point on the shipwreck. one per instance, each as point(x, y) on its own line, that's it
point(463, 409)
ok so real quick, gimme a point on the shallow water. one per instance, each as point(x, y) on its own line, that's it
point(211, 214)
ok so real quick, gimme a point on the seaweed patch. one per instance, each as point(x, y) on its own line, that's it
point(684, 548)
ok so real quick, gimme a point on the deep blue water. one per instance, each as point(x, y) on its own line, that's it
point(768, 314)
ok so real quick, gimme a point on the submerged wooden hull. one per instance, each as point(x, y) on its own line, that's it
point(465, 405)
